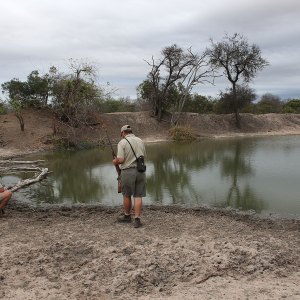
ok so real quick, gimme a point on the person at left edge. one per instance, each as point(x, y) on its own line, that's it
point(5, 196)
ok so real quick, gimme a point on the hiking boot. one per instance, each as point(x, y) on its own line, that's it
point(124, 219)
point(137, 223)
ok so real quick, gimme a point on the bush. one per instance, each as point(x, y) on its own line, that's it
point(250, 108)
point(71, 143)
point(182, 133)
point(2, 109)
point(199, 104)
point(292, 106)
point(117, 105)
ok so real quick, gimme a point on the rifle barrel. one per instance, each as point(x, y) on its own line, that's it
point(113, 154)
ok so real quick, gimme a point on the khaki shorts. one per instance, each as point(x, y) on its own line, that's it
point(133, 183)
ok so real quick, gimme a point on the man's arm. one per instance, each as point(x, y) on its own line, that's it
point(120, 155)
point(118, 161)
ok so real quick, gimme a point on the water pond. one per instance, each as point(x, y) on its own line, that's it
point(260, 174)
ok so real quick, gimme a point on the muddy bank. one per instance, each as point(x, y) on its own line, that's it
point(82, 253)
point(39, 128)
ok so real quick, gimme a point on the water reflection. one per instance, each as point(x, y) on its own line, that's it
point(168, 172)
point(236, 165)
point(239, 173)
point(178, 170)
point(74, 178)
point(173, 167)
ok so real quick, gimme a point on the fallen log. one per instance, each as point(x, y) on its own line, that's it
point(20, 162)
point(10, 169)
point(26, 182)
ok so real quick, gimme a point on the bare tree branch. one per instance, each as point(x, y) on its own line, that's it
point(20, 162)
point(30, 181)
point(177, 71)
point(8, 166)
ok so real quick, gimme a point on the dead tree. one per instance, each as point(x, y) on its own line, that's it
point(172, 78)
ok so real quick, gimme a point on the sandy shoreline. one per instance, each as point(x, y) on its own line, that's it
point(82, 253)
point(10, 153)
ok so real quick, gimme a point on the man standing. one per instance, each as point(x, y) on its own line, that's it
point(133, 182)
point(5, 195)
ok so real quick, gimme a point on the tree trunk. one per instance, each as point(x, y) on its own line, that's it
point(21, 120)
point(236, 107)
point(159, 109)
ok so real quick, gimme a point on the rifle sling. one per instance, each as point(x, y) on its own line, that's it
point(132, 149)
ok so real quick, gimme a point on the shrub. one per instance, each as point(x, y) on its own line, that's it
point(2, 109)
point(292, 106)
point(182, 133)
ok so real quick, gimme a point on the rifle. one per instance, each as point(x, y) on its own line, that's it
point(117, 166)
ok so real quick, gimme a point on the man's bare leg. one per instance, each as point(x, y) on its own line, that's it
point(138, 203)
point(127, 204)
point(126, 217)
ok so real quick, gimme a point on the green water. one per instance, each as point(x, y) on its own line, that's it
point(260, 174)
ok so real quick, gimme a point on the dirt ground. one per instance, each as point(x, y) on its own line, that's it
point(82, 253)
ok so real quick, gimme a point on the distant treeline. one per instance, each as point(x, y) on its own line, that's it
point(73, 93)
point(74, 96)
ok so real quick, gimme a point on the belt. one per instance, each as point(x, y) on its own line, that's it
point(134, 167)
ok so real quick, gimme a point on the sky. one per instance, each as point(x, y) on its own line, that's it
point(119, 36)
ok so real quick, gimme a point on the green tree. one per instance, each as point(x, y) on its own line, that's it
point(199, 104)
point(38, 88)
point(117, 105)
point(16, 89)
point(75, 95)
point(239, 61)
point(292, 106)
point(18, 94)
point(147, 96)
point(3, 108)
point(243, 96)
point(17, 106)
point(269, 104)
point(33, 92)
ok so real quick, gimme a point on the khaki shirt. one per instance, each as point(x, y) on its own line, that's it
point(125, 151)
